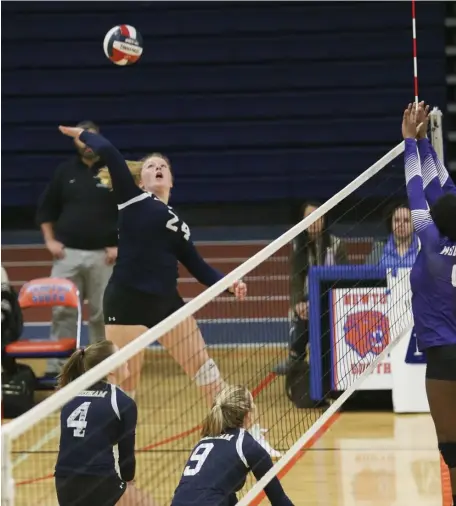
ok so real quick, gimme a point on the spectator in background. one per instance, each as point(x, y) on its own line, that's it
point(401, 248)
point(78, 218)
point(314, 246)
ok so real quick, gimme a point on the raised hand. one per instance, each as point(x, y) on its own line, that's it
point(409, 122)
point(73, 132)
point(422, 120)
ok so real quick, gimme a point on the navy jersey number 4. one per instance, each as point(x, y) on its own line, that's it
point(78, 419)
point(91, 424)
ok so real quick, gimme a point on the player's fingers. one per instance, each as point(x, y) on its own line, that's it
point(70, 131)
point(65, 130)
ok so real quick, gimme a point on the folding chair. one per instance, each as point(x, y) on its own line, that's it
point(48, 292)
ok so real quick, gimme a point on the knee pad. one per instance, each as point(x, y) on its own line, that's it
point(448, 452)
point(207, 373)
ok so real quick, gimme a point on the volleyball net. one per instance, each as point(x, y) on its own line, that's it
point(356, 311)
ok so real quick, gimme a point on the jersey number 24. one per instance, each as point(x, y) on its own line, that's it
point(171, 224)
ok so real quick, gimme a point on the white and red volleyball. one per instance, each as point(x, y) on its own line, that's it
point(123, 45)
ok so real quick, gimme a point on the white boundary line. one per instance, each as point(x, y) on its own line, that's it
point(49, 436)
point(324, 418)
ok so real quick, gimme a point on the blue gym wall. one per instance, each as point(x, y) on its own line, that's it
point(252, 101)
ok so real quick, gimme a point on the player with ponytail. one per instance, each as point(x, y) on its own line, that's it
point(92, 424)
point(219, 464)
point(143, 288)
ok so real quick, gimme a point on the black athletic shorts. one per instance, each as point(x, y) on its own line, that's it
point(126, 306)
point(84, 490)
point(441, 362)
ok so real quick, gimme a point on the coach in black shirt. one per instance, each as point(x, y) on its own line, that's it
point(78, 218)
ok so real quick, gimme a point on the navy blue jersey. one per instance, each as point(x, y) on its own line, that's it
point(91, 424)
point(218, 467)
point(433, 276)
point(152, 238)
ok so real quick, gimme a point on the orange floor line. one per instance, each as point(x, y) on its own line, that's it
point(447, 497)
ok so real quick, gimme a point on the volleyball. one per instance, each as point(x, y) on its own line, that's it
point(123, 45)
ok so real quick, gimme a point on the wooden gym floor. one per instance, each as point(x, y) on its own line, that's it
point(356, 460)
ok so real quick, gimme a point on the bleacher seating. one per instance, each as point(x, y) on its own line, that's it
point(250, 102)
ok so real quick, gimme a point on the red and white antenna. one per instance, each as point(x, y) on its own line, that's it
point(415, 55)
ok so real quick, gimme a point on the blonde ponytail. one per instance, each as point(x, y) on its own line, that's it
point(213, 424)
point(135, 168)
point(229, 410)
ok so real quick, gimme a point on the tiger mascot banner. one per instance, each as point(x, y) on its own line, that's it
point(363, 323)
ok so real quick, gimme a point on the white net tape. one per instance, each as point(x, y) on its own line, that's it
point(46, 409)
point(56, 401)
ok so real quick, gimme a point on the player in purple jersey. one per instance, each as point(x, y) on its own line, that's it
point(91, 425)
point(432, 198)
point(142, 290)
point(219, 464)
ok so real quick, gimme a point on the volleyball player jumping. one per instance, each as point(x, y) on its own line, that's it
point(432, 198)
point(142, 290)
point(220, 462)
point(91, 424)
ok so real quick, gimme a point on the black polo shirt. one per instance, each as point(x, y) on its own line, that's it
point(82, 210)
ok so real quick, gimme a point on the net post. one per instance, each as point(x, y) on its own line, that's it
point(7, 490)
point(437, 132)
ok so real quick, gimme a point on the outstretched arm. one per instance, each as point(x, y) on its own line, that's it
point(260, 463)
point(188, 255)
point(432, 189)
point(421, 217)
point(123, 184)
point(422, 221)
point(444, 178)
